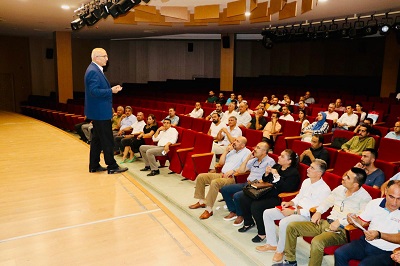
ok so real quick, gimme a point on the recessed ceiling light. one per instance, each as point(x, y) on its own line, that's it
point(66, 7)
point(322, 1)
point(247, 14)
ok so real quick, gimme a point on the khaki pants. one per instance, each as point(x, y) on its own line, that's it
point(149, 153)
point(216, 182)
point(321, 239)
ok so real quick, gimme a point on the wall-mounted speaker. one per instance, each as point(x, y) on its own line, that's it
point(226, 42)
point(190, 47)
point(49, 53)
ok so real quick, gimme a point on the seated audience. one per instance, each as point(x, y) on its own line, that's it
point(211, 97)
point(215, 126)
point(240, 99)
point(218, 110)
point(266, 102)
point(131, 144)
point(225, 136)
point(368, 121)
point(383, 235)
point(316, 151)
point(232, 97)
point(395, 134)
point(286, 99)
point(285, 178)
point(350, 197)
point(221, 99)
point(375, 176)
point(87, 130)
point(174, 119)
point(136, 127)
point(339, 106)
point(347, 119)
point(126, 122)
point(302, 107)
point(256, 162)
point(286, 114)
point(116, 119)
point(270, 128)
point(308, 98)
point(165, 136)
point(312, 193)
point(243, 117)
point(303, 119)
point(197, 111)
point(331, 113)
point(258, 122)
point(275, 106)
point(318, 127)
point(358, 144)
point(78, 129)
point(232, 157)
point(228, 113)
point(359, 110)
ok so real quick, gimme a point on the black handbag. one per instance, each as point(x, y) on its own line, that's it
point(257, 190)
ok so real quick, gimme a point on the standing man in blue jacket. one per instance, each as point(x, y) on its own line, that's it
point(98, 108)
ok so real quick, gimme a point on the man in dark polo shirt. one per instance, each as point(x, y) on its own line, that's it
point(316, 151)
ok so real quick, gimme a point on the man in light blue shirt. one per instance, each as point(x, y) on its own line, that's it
point(395, 134)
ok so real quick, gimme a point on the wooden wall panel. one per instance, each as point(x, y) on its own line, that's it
point(177, 12)
point(276, 6)
point(260, 11)
point(306, 5)
point(236, 8)
point(288, 11)
point(128, 18)
point(64, 66)
point(206, 12)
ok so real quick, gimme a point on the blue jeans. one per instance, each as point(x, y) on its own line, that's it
point(363, 251)
point(231, 194)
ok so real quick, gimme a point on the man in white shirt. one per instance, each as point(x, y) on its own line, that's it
point(275, 106)
point(215, 126)
point(339, 106)
point(383, 234)
point(347, 119)
point(313, 191)
point(384, 185)
point(225, 136)
point(136, 127)
point(232, 157)
point(165, 136)
point(197, 111)
point(228, 113)
point(331, 113)
point(395, 134)
point(218, 110)
point(286, 114)
point(350, 197)
point(243, 117)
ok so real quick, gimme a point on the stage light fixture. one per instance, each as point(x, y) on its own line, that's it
point(106, 9)
point(321, 31)
point(333, 32)
point(77, 24)
point(114, 10)
point(98, 12)
point(345, 28)
point(311, 32)
point(385, 25)
point(267, 42)
point(91, 20)
point(125, 5)
point(372, 26)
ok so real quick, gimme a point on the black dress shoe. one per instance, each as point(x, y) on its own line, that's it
point(245, 228)
point(154, 172)
point(171, 173)
point(98, 169)
point(146, 168)
point(117, 170)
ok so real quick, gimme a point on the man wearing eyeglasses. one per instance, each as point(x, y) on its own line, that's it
point(360, 143)
point(395, 134)
point(350, 197)
point(98, 108)
point(165, 136)
point(383, 235)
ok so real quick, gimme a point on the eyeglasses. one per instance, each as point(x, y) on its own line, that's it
point(256, 166)
point(102, 56)
point(342, 206)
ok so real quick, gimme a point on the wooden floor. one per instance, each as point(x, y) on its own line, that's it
point(54, 212)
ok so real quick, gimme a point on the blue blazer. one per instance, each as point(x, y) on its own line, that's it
point(98, 94)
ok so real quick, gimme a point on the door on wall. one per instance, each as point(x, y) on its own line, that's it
point(7, 92)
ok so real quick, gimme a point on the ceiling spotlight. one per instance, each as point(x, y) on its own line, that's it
point(114, 11)
point(77, 24)
point(321, 31)
point(333, 32)
point(99, 11)
point(106, 9)
point(125, 5)
point(357, 30)
point(345, 28)
point(267, 42)
point(384, 26)
point(90, 19)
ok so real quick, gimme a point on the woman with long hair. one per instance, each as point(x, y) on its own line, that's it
point(285, 178)
point(132, 144)
point(303, 119)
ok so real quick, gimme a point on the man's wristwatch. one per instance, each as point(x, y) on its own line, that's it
point(379, 235)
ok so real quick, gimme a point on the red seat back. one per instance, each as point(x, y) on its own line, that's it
point(344, 162)
point(389, 150)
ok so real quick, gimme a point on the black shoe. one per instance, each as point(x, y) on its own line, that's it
point(117, 170)
point(245, 228)
point(258, 239)
point(154, 172)
point(98, 169)
point(146, 168)
point(171, 173)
